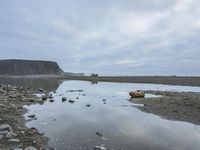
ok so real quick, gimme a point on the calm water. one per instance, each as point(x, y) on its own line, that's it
point(123, 126)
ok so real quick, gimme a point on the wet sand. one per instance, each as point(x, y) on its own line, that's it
point(180, 106)
point(170, 80)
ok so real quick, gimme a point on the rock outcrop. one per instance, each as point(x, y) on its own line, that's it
point(15, 67)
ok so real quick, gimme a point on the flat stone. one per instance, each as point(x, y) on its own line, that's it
point(3, 132)
point(30, 148)
point(99, 148)
point(13, 140)
point(10, 135)
point(5, 127)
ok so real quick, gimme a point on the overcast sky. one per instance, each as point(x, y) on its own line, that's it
point(119, 37)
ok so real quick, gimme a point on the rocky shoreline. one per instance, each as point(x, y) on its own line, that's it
point(179, 106)
point(14, 135)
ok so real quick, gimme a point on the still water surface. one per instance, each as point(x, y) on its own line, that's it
point(122, 125)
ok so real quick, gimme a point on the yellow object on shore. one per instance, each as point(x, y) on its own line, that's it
point(136, 94)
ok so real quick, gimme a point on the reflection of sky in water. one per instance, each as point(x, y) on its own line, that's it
point(123, 127)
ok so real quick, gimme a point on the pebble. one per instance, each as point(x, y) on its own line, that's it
point(88, 105)
point(71, 101)
point(13, 140)
point(99, 134)
point(99, 148)
point(51, 100)
point(41, 90)
point(30, 148)
point(10, 135)
point(50, 96)
point(31, 116)
point(44, 98)
point(64, 99)
point(5, 127)
point(1, 137)
point(31, 100)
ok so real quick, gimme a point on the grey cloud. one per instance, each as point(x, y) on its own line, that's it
point(109, 36)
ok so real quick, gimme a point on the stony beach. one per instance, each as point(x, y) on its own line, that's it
point(13, 132)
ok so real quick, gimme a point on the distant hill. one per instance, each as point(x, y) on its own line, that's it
point(14, 67)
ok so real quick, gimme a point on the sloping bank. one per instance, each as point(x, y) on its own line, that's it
point(13, 132)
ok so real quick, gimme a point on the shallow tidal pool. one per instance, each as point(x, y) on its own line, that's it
point(102, 115)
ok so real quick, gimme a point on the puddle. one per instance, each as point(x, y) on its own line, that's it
point(103, 108)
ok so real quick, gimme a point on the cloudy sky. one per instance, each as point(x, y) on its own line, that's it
point(119, 37)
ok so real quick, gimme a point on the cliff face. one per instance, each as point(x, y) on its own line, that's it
point(29, 67)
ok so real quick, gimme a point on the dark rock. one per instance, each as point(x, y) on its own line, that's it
point(41, 90)
point(44, 97)
point(31, 100)
point(71, 101)
point(64, 99)
point(99, 134)
point(51, 100)
point(31, 116)
point(88, 105)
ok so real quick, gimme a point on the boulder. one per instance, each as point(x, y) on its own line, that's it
point(137, 94)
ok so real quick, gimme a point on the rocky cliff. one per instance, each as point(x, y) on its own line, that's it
point(29, 67)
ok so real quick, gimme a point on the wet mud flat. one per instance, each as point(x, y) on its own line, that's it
point(169, 80)
point(13, 132)
point(181, 106)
